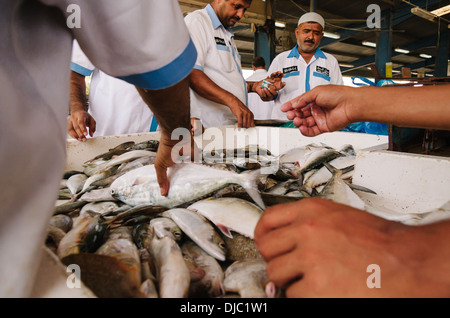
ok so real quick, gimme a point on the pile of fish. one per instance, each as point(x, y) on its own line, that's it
point(130, 241)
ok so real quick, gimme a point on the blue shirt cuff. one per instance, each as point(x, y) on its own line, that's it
point(167, 75)
point(80, 69)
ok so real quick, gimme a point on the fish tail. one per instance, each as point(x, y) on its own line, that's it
point(249, 183)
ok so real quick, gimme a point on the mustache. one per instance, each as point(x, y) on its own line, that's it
point(310, 41)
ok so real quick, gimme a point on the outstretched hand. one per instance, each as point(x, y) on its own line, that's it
point(323, 109)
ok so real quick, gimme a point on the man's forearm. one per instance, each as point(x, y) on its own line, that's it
point(206, 88)
point(171, 106)
point(426, 107)
point(78, 100)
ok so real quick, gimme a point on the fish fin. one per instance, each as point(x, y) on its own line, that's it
point(250, 185)
point(224, 230)
point(140, 180)
point(359, 188)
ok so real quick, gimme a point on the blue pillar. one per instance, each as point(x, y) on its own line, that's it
point(442, 54)
point(384, 43)
point(264, 42)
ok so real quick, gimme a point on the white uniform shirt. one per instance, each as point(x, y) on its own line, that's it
point(322, 69)
point(115, 104)
point(261, 110)
point(218, 58)
point(35, 59)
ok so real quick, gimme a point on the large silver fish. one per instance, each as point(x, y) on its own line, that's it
point(199, 230)
point(227, 214)
point(188, 182)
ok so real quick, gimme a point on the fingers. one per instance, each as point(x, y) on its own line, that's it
point(163, 181)
point(276, 217)
point(292, 273)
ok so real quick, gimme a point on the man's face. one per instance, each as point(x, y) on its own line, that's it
point(308, 36)
point(230, 12)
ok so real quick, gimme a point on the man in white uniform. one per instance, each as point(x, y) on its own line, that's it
point(219, 90)
point(261, 110)
point(35, 58)
point(114, 107)
point(305, 66)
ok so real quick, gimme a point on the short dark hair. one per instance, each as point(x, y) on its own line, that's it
point(258, 61)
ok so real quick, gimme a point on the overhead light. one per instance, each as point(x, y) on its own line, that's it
point(423, 13)
point(425, 56)
point(346, 65)
point(371, 44)
point(441, 11)
point(398, 50)
point(280, 24)
point(331, 35)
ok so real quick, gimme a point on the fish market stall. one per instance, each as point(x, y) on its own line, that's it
point(277, 165)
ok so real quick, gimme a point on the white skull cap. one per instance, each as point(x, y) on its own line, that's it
point(312, 17)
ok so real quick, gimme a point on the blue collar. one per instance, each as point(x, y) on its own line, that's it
point(295, 53)
point(214, 19)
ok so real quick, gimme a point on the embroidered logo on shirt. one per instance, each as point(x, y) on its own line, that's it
point(220, 41)
point(323, 70)
point(290, 69)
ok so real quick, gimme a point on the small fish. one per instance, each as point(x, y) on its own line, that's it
point(338, 190)
point(166, 227)
point(76, 182)
point(96, 195)
point(62, 222)
point(199, 230)
point(227, 214)
point(249, 279)
point(211, 284)
point(151, 145)
point(120, 246)
point(172, 273)
point(85, 236)
point(314, 159)
point(68, 207)
point(188, 182)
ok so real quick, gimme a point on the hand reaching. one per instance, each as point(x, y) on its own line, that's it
point(323, 109)
point(78, 123)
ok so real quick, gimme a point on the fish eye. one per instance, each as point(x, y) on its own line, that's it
point(222, 245)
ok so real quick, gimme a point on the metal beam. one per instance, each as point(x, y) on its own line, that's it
point(371, 59)
point(400, 15)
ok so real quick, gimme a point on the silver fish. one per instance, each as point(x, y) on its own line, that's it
point(188, 182)
point(172, 273)
point(227, 214)
point(199, 230)
point(162, 226)
point(76, 182)
point(249, 279)
point(339, 191)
